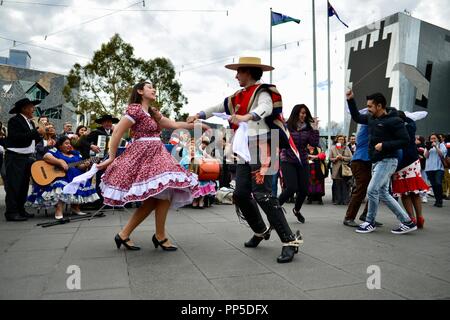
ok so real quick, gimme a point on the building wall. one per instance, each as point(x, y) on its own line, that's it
point(434, 49)
point(389, 55)
point(16, 82)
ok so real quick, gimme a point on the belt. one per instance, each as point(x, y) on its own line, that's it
point(148, 139)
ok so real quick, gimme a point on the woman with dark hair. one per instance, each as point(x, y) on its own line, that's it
point(304, 130)
point(48, 142)
point(80, 141)
point(317, 170)
point(340, 155)
point(145, 171)
point(65, 157)
point(434, 152)
point(407, 181)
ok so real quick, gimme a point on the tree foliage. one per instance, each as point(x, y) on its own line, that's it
point(103, 85)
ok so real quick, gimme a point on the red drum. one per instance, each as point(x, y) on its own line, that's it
point(209, 169)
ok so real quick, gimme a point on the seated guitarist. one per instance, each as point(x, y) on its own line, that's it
point(65, 157)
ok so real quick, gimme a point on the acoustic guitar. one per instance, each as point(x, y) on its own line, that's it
point(44, 173)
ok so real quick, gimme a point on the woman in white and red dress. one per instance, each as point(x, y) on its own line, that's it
point(407, 182)
point(145, 171)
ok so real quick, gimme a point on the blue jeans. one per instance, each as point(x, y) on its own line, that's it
point(378, 189)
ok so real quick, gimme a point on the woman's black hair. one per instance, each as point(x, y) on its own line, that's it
point(135, 97)
point(77, 132)
point(293, 118)
point(61, 141)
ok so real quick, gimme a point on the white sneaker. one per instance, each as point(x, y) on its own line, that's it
point(79, 213)
point(59, 217)
point(404, 228)
point(424, 199)
point(366, 227)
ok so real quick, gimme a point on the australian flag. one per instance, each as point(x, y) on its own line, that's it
point(332, 12)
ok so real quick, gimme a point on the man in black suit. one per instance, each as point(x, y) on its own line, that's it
point(19, 156)
point(106, 122)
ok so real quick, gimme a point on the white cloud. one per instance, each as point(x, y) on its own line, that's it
point(200, 44)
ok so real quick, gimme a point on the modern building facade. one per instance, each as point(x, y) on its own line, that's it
point(406, 59)
point(17, 58)
point(18, 82)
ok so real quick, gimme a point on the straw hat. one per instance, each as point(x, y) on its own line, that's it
point(253, 62)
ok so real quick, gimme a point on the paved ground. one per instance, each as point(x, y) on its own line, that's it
point(212, 263)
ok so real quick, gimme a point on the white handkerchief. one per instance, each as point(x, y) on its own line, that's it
point(418, 115)
point(222, 115)
point(240, 141)
point(72, 187)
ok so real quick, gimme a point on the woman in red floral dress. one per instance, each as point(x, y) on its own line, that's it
point(145, 171)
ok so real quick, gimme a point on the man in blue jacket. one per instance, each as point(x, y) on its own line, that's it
point(387, 134)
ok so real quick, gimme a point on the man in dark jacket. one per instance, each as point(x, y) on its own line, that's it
point(387, 134)
point(106, 122)
point(20, 147)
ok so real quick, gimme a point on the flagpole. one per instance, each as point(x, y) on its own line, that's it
point(329, 86)
point(270, 44)
point(314, 58)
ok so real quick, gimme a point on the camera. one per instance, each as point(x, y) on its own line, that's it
point(428, 145)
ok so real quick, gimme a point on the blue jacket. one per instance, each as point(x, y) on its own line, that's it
point(362, 144)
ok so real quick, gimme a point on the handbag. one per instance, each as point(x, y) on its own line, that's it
point(346, 170)
point(208, 169)
point(445, 161)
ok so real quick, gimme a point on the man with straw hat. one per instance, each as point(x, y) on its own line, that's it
point(259, 106)
point(19, 156)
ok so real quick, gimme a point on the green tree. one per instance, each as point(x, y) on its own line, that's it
point(169, 99)
point(103, 85)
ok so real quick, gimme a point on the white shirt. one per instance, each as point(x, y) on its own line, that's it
point(31, 148)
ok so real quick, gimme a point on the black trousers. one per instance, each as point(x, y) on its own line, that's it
point(17, 175)
point(249, 194)
point(296, 179)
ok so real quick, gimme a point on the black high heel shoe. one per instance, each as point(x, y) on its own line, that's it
point(119, 241)
point(157, 243)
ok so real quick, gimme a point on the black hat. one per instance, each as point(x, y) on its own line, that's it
point(106, 117)
point(22, 103)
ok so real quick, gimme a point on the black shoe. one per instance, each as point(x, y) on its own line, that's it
point(309, 201)
point(439, 205)
point(289, 249)
point(255, 240)
point(351, 223)
point(320, 202)
point(119, 241)
point(16, 217)
point(27, 215)
point(157, 243)
point(299, 216)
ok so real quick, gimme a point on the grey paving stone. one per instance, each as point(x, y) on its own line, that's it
point(405, 282)
point(258, 287)
point(173, 281)
point(96, 274)
point(353, 292)
point(23, 288)
point(222, 263)
point(42, 242)
point(18, 264)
